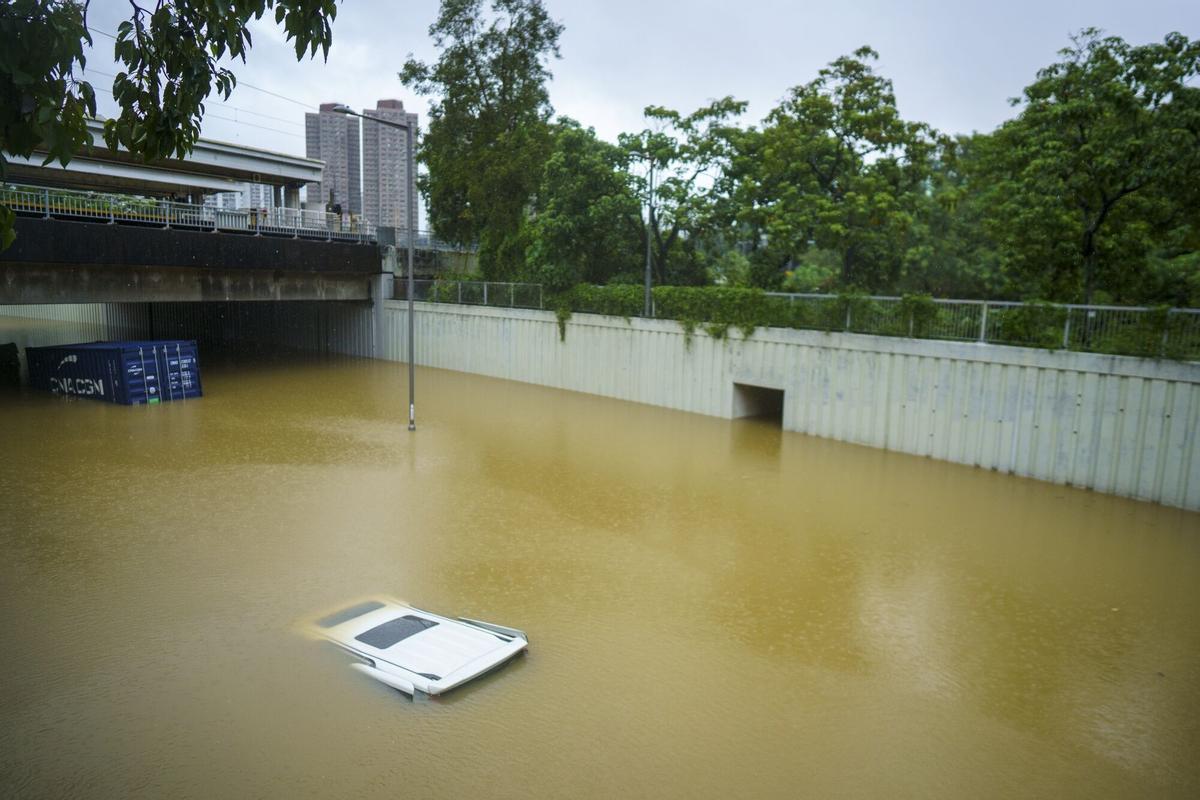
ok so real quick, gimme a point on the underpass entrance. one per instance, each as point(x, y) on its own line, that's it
point(759, 402)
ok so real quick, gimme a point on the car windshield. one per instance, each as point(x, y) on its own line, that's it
point(381, 637)
point(346, 614)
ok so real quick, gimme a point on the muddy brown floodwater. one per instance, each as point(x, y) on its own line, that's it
point(716, 609)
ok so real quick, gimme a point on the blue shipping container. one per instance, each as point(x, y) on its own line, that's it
point(130, 373)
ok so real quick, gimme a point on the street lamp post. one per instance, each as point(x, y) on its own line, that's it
point(410, 207)
point(648, 310)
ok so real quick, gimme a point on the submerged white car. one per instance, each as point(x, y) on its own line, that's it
point(416, 651)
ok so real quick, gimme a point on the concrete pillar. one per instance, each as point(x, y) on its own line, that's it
point(390, 260)
point(381, 292)
point(291, 196)
point(277, 196)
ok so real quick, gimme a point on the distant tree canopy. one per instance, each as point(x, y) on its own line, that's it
point(169, 53)
point(489, 133)
point(837, 169)
point(1091, 193)
point(682, 158)
point(1098, 170)
point(586, 224)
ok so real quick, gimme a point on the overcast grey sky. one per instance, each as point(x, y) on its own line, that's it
point(954, 64)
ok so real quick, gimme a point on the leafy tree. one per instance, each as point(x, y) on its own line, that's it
point(170, 56)
point(1172, 272)
point(836, 167)
point(586, 222)
point(683, 158)
point(814, 270)
point(950, 254)
point(42, 103)
point(488, 134)
point(1101, 162)
point(740, 209)
point(730, 268)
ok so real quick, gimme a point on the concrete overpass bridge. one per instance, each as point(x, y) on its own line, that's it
point(211, 167)
point(108, 228)
point(66, 261)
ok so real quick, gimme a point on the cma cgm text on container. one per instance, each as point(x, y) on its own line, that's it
point(129, 373)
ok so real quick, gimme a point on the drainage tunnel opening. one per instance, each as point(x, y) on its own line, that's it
point(759, 402)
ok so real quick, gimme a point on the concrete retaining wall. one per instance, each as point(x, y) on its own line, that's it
point(1115, 424)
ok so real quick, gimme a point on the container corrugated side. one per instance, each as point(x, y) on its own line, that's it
point(129, 373)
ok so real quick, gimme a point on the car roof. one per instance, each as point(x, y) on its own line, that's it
point(409, 637)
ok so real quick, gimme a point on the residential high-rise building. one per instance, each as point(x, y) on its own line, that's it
point(385, 165)
point(333, 138)
point(257, 195)
point(249, 195)
point(223, 201)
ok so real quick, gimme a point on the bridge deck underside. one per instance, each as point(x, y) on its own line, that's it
point(54, 261)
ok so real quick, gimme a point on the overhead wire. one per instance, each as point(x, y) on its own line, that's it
point(222, 103)
point(300, 103)
point(209, 114)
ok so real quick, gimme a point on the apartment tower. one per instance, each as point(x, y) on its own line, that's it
point(333, 138)
point(385, 165)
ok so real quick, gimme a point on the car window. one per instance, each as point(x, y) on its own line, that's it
point(381, 637)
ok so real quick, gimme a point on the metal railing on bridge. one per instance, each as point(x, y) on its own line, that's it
point(475, 293)
point(132, 210)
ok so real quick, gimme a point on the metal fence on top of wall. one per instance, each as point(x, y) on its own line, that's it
point(474, 293)
point(1122, 330)
point(1132, 330)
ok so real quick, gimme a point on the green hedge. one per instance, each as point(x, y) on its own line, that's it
point(1034, 324)
point(718, 309)
point(616, 301)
